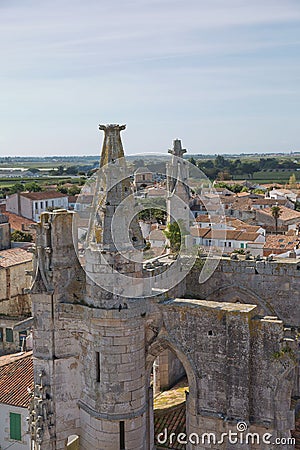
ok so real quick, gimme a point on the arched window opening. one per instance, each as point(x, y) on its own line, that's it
point(168, 406)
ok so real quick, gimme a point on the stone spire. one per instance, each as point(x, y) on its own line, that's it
point(177, 149)
point(114, 239)
point(177, 171)
point(112, 189)
point(112, 148)
point(177, 185)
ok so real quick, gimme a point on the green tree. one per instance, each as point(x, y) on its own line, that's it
point(72, 170)
point(276, 211)
point(62, 189)
point(32, 186)
point(173, 234)
point(192, 161)
point(221, 162)
point(293, 181)
point(74, 190)
point(60, 170)
point(18, 187)
point(20, 236)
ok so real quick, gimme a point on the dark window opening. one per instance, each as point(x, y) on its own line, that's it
point(122, 435)
point(98, 367)
point(22, 338)
point(9, 335)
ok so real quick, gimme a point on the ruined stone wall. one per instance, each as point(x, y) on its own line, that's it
point(273, 286)
point(4, 236)
point(14, 284)
point(95, 357)
point(236, 364)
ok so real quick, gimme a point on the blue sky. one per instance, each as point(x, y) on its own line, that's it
point(222, 75)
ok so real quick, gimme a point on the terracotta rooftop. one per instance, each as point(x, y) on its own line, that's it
point(285, 213)
point(72, 198)
point(223, 234)
point(199, 232)
point(174, 419)
point(45, 195)
point(281, 241)
point(156, 191)
point(248, 236)
point(204, 218)
point(243, 194)
point(157, 235)
point(16, 376)
point(142, 170)
point(14, 256)
point(18, 222)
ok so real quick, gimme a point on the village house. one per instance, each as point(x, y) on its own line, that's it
point(279, 244)
point(156, 191)
point(72, 199)
point(143, 177)
point(219, 222)
point(157, 238)
point(18, 223)
point(16, 381)
point(32, 204)
point(15, 304)
point(282, 194)
point(289, 219)
point(228, 239)
point(197, 206)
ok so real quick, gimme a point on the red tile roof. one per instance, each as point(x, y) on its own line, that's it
point(14, 256)
point(45, 195)
point(204, 218)
point(174, 419)
point(248, 236)
point(199, 232)
point(285, 213)
point(223, 234)
point(16, 375)
point(280, 241)
point(18, 222)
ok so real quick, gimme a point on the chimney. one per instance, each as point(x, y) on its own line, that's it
point(18, 204)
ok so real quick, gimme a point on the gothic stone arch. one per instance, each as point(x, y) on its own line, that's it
point(236, 294)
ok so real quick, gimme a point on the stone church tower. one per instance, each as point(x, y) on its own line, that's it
point(88, 340)
point(97, 330)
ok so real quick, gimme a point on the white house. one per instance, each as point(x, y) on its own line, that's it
point(157, 238)
point(32, 204)
point(16, 380)
point(228, 239)
point(282, 194)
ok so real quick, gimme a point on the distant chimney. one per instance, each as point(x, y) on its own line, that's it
point(18, 203)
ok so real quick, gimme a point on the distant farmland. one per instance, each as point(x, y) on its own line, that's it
point(269, 176)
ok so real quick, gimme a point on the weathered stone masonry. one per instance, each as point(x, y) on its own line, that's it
point(94, 358)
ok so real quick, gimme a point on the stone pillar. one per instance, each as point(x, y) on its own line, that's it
point(114, 380)
point(58, 279)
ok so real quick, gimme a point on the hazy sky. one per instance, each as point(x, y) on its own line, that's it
point(222, 75)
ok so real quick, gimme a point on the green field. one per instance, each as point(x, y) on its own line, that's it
point(8, 182)
point(269, 176)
